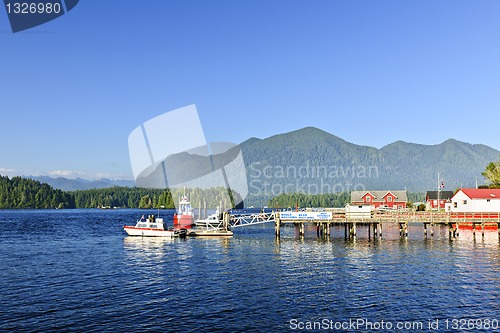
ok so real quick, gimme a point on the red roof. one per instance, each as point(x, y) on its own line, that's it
point(481, 193)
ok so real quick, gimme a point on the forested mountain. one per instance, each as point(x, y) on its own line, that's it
point(308, 161)
point(313, 161)
point(20, 192)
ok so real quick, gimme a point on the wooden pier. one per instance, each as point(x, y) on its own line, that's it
point(478, 222)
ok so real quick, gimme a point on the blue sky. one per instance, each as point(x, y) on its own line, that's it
point(370, 72)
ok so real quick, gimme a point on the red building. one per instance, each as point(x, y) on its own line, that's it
point(377, 199)
point(431, 199)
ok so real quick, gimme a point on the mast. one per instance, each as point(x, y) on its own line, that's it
point(439, 192)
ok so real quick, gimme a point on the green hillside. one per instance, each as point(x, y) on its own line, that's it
point(315, 162)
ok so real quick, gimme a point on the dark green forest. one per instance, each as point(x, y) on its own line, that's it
point(23, 193)
point(20, 192)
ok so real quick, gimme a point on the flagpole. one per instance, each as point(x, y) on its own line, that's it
point(439, 192)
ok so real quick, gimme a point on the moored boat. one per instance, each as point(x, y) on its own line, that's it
point(210, 232)
point(184, 217)
point(488, 226)
point(212, 220)
point(152, 227)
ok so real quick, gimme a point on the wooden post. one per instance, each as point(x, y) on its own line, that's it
point(354, 230)
point(226, 220)
point(406, 229)
point(425, 230)
point(277, 225)
point(328, 229)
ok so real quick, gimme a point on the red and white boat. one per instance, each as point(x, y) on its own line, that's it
point(184, 218)
point(152, 227)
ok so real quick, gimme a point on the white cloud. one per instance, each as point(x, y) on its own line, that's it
point(67, 173)
point(72, 174)
point(8, 172)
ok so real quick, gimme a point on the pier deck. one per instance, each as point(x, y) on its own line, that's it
point(454, 221)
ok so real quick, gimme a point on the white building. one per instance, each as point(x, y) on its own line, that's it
point(472, 200)
point(358, 211)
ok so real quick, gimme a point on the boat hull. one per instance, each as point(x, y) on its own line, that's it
point(477, 226)
point(211, 233)
point(183, 220)
point(148, 232)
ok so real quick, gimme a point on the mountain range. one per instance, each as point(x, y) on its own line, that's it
point(81, 184)
point(313, 161)
point(316, 161)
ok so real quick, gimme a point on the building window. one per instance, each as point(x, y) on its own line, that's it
point(455, 205)
point(389, 198)
point(368, 199)
point(487, 200)
point(465, 202)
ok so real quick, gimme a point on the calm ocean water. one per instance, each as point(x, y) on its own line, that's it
point(77, 271)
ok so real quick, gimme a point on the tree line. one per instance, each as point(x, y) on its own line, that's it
point(25, 193)
point(285, 200)
point(20, 192)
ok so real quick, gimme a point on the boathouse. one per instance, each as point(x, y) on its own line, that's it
point(472, 200)
point(431, 199)
point(380, 199)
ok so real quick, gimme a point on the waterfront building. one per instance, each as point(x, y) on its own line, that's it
point(473, 200)
point(380, 199)
point(431, 199)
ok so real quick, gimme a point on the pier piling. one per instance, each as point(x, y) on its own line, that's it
point(377, 222)
point(277, 226)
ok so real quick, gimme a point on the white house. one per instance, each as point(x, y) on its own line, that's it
point(472, 200)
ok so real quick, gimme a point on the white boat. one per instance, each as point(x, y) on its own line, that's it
point(210, 232)
point(213, 225)
point(212, 221)
point(152, 227)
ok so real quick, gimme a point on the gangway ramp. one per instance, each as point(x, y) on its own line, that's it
point(244, 220)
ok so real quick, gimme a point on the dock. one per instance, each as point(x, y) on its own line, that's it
point(478, 222)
